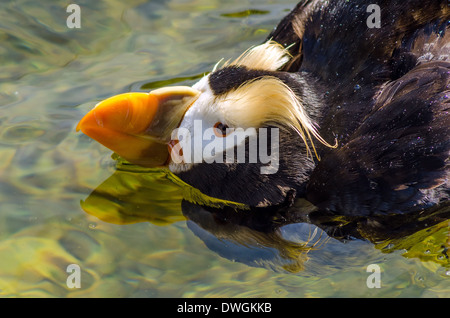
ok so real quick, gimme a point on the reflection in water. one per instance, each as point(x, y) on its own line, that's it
point(277, 238)
point(132, 196)
point(256, 238)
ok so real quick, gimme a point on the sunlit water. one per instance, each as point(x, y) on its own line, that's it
point(65, 201)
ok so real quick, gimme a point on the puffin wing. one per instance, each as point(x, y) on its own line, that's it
point(346, 60)
point(398, 159)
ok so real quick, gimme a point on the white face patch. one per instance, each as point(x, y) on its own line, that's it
point(197, 133)
point(200, 140)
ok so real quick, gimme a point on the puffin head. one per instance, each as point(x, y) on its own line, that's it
point(240, 134)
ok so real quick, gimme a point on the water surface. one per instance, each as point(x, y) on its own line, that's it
point(65, 200)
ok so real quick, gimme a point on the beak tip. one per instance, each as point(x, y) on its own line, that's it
point(81, 124)
point(120, 123)
point(90, 120)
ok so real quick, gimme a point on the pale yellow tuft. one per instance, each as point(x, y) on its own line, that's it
point(269, 56)
point(267, 100)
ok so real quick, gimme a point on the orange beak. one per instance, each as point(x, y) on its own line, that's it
point(138, 126)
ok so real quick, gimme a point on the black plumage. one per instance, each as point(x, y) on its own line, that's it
point(397, 159)
point(383, 93)
point(351, 61)
point(386, 101)
point(360, 112)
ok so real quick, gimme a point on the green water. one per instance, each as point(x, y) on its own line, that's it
point(65, 201)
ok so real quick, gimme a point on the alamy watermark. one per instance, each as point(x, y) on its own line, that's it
point(374, 19)
point(374, 279)
point(207, 146)
point(74, 279)
point(73, 21)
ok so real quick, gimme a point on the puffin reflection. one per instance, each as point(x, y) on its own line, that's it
point(280, 238)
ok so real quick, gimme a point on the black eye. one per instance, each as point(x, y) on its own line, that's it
point(220, 129)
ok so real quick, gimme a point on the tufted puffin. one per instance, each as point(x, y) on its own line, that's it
point(359, 115)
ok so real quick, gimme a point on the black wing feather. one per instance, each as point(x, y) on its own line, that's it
point(398, 159)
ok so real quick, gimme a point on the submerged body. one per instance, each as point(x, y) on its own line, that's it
point(362, 113)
